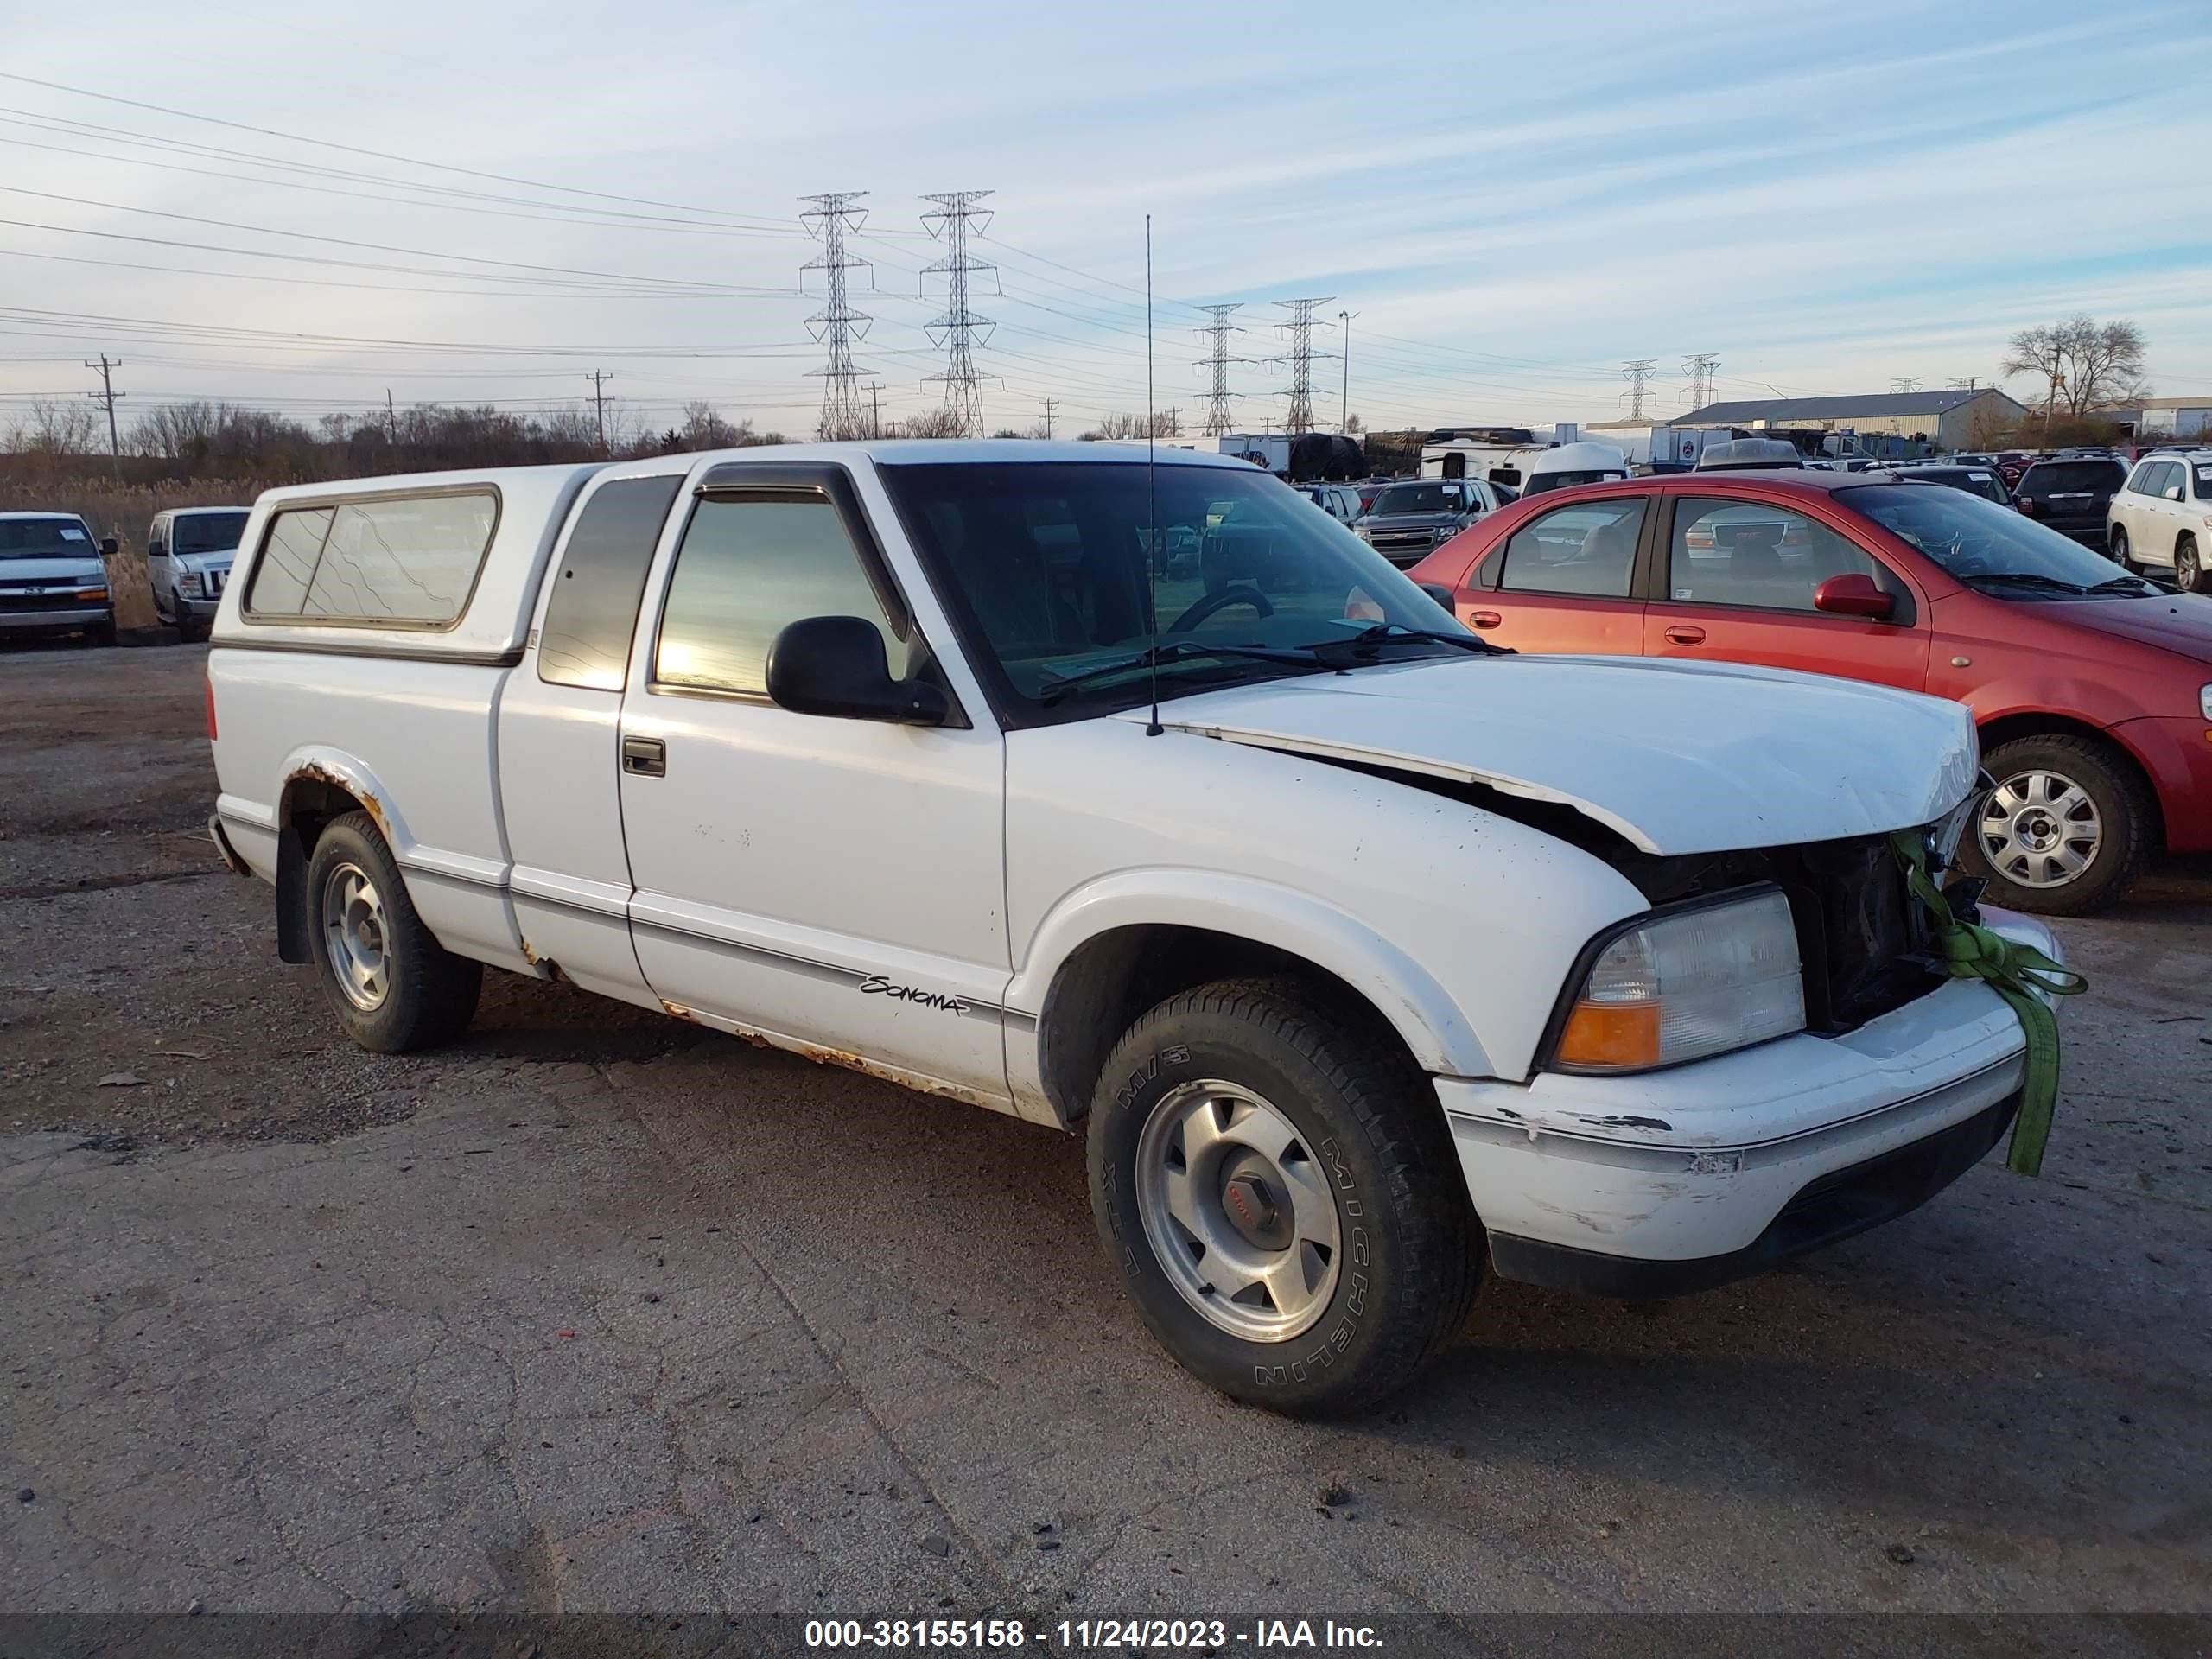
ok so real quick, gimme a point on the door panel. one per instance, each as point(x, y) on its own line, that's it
point(833, 883)
point(1736, 579)
point(1565, 581)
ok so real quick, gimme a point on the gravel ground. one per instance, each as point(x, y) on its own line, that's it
point(597, 1312)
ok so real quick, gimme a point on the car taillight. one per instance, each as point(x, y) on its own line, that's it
point(208, 684)
point(2027, 506)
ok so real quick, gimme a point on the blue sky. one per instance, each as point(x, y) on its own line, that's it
point(1826, 198)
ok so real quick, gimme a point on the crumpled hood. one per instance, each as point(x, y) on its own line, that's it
point(59, 570)
point(1676, 757)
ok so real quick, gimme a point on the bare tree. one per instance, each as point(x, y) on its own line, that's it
point(1165, 423)
point(2083, 365)
point(930, 424)
point(705, 428)
point(56, 427)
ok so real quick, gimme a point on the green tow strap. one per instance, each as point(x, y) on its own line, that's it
point(2015, 972)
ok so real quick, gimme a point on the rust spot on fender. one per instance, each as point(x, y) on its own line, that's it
point(528, 954)
point(316, 771)
point(678, 1011)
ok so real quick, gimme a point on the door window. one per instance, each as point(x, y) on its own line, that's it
point(593, 608)
point(1587, 549)
point(2203, 475)
point(749, 568)
point(1747, 553)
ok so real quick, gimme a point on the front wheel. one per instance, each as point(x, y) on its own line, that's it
point(2117, 543)
point(2066, 829)
point(1280, 1193)
point(395, 988)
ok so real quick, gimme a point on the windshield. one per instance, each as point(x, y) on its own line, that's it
point(1979, 542)
point(1414, 498)
point(44, 538)
point(207, 532)
point(1048, 561)
point(2063, 476)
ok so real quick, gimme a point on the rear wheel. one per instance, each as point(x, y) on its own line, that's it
point(395, 988)
point(2118, 546)
point(2189, 567)
point(2066, 829)
point(1281, 1197)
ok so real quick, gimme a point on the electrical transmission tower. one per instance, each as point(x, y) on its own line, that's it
point(836, 324)
point(1700, 369)
point(1218, 394)
point(955, 329)
point(1967, 383)
point(1637, 373)
point(1905, 383)
point(1299, 417)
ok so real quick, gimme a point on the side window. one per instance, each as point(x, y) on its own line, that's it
point(2169, 477)
point(1589, 548)
point(747, 570)
point(1748, 553)
point(2202, 471)
point(287, 564)
point(410, 560)
point(592, 611)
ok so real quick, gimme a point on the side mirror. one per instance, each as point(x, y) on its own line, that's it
point(1438, 592)
point(835, 665)
point(109, 547)
point(2174, 494)
point(1854, 593)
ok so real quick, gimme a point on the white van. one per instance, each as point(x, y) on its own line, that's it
point(1369, 957)
point(188, 554)
point(51, 580)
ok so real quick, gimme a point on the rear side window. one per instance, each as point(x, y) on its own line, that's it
point(404, 561)
point(593, 608)
point(749, 568)
point(1588, 549)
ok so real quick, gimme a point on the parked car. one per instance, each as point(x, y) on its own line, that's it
point(1339, 501)
point(188, 553)
point(51, 580)
point(2071, 494)
point(1734, 454)
point(1575, 463)
point(2163, 517)
point(2092, 688)
point(2013, 462)
point(1981, 480)
point(1410, 518)
point(1366, 957)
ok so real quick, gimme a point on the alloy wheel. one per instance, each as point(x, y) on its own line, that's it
point(355, 931)
point(2040, 830)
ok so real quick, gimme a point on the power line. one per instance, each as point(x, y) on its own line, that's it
point(836, 324)
point(1299, 417)
point(1637, 373)
point(1218, 329)
point(107, 394)
point(1699, 367)
point(955, 328)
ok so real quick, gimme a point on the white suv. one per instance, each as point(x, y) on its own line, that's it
point(2163, 516)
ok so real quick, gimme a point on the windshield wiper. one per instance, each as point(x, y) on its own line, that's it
point(1369, 640)
point(2028, 579)
point(2122, 585)
point(1160, 656)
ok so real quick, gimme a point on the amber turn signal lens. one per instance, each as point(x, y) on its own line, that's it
point(1611, 1034)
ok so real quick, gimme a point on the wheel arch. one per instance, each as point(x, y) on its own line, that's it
point(2010, 727)
point(319, 784)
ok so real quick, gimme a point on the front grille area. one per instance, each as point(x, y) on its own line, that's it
point(214, 580)
point(1868, 947)
point(16, 602)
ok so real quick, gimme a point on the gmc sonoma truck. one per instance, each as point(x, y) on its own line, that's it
point(1371, 958)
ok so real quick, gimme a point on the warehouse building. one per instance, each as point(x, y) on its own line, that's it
point(1947, 420)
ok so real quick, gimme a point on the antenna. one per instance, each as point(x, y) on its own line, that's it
point(1152, 489)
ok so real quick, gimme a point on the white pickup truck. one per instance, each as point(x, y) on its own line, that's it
point(1371, 958)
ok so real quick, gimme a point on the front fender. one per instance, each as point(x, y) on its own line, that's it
point(1412, 1001)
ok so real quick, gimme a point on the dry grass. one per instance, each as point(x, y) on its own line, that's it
point(125, 510)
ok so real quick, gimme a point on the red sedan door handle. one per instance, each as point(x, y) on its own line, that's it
point(1485, 619)
point(1683, 634)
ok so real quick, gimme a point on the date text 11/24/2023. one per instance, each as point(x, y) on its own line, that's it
point(1088, 1635)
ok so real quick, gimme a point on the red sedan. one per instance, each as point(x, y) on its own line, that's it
point(2093, 688)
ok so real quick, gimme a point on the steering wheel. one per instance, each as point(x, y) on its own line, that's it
point(1219, 602)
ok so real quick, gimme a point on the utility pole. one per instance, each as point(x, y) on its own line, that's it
point(1219, 331)
point(1050, 403)
point(1699, 367)
point(874, 409)
point(1299, 417)
point(598, 378)
point(1344, 411)
point(1905, 383)
point(390, 419)
point(836, 324)
point(1637, 372)
point(107, 394)
point(954, 331)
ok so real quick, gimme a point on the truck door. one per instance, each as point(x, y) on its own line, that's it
point(560, 736)
point(829, 882)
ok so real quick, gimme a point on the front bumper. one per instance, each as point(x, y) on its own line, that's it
point(1671, 1181)
point(49, 621)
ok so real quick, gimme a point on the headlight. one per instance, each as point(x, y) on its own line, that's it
point(1445, 532)
point(1685, 984)
point(188, 584)
point(2204, 701)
